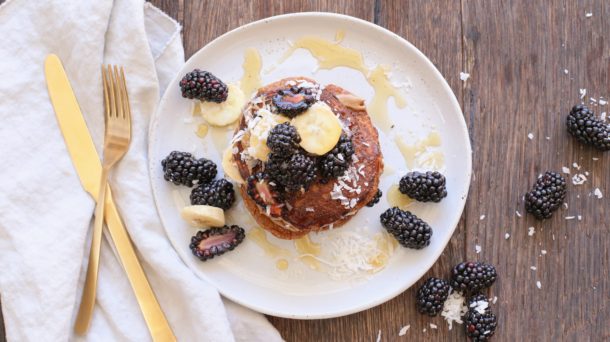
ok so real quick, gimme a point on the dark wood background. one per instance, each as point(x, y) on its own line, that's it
point(516, 53)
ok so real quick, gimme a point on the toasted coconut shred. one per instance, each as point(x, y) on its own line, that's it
point(454, 309)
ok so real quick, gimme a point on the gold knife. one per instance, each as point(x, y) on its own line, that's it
point(88, 167)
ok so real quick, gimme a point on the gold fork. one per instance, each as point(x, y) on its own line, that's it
point(116, 142)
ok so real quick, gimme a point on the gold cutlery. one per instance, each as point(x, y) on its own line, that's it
point(116, 143)
point(89, 169)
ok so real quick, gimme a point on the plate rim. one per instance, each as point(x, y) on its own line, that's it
point(379, 30)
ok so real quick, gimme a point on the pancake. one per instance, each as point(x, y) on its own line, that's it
point(322, 206)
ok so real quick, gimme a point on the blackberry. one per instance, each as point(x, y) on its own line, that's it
point(293, 101)
point(181, 168)
point(265, 193)
point(293, 173)
point(207, 244)
point(283, 140)
point(471, 277)
point(408, 229)
point(375, 199)
point(218, 193)
point(204, 86)
point(424, 187)
point(334, 163)
point(546, 196)
point(586, 128)
point(480, 326)
point(431, 296)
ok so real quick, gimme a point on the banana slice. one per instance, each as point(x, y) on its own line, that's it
point(229, 167)
point(203, 216)
point(319, 129)
point(259, 131)
point(222, 114)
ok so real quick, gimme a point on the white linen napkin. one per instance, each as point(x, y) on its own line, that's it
point(45, 215)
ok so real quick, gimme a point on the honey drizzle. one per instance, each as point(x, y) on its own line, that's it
point(251, 79)
point(282, 264)
point(202, 130)
point(397, 199)
point(331, 55)
point(259, 236)
point(411, 152)
point(308, 250)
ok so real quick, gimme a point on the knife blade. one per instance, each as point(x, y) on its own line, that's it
point(88, 167)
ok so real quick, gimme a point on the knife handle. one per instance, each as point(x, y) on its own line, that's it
point(153, 315)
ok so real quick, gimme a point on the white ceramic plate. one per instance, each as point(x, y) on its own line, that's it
point(249, 276)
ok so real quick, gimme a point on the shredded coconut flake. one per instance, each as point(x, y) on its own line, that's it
point(602, 102)
point(477, 249)
point(433, 326)
point(454, 309)
point(565, 170)
point(495, 300)
point(506, 236)
point(583, 92)
point(480, 306)
point(403, 330)
point(482, 217)
point(543, 252)
point(579, 179)
point(518, 213)
point(464, 76)
point(310, 209)
point(539, 284)
point(533, 268)
point(379, 336)
point(598, 193)
point(588, 14)
point(565, 71)
point(530, 136)
point(531, 231)
point(570, 217)
point(576, 165)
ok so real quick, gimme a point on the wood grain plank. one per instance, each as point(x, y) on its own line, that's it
point(516, 53)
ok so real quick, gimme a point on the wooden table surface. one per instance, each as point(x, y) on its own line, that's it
point(516, 53)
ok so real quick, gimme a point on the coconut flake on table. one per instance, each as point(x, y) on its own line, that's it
point(495, 300)
point(565, 71)
point(403, 330)
point(588, 14)
point(481, 218)
point(433, 326)
point(530, 136)
point(480, 306)
point(464, 76)
point(583, 92)
point(506, 236)
point(543, 252)
point(602, 102)
point(538, 284)
point(533, 268)
point(379, 336)
point(603, 117)
point(579, 179)
point(477, 249)
point(598, 193)
point(531, 231)
point(454, 309)
point(565, 170)
point(570, 217)
point(576, 165)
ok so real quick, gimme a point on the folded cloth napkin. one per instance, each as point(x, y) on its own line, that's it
point(45, 216)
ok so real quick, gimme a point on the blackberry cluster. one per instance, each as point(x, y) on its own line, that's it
point(283, 140)
point(424, 187)
point(218, 193)
point(294, 173)
point(480, 326)
point(375, 199)
point(431, 296)
point(293, 101)
point(586, 128)
point(471, 277)
point(181, 168)
point(207, 244)
point(546, 196)
point(334, 163)
point(408, 229)
point(204, 86)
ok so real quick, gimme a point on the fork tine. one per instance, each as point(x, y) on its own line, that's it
point(125, 96)
point(120, 113)
point(106, 99)
point(111, 91)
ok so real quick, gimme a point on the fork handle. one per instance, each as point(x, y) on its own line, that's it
point(85, 311)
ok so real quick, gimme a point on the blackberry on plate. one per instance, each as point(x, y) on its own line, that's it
point(265, 193)
point(375, 199)
point(586, 128)
point(218, 193)
point(293, 101)
point(431, 296)
point(204, 86)
point(480, 326)
point(181, 168)
point(409, 230)
point(283, 140)
point(424, 187)
point(546, 196)
point(293, 173)
point(334, 163)
point(478, 302)
point(207, 244)
point(472, 276)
